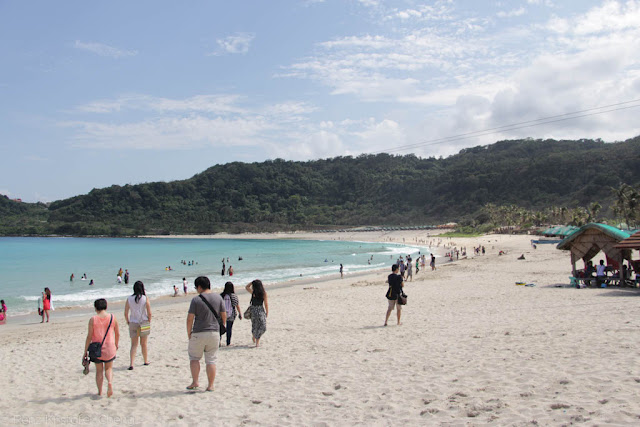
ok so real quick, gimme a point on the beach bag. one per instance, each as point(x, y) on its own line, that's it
point(95, 348)
point(402, 299)
point(221, 325)
point(247, 313)
point(145, 328)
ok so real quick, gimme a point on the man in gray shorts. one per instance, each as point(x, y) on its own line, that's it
point(203, 331)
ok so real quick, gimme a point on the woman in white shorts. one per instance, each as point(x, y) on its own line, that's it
point(137, 311)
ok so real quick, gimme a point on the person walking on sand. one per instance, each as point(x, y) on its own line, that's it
point(232, 307)
point(203, 331)
point(395, 288)
point(341, 271)
point(103, 326)
point(259, 310)
point(433, 262)
point(46, 304)
point(137, 312)
point(184, 285)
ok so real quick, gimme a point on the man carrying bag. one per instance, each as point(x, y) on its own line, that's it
point(206, 312)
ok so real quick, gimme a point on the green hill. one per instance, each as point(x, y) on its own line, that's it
point(366, 190)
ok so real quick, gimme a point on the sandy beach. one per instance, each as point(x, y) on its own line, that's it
point(473, 349)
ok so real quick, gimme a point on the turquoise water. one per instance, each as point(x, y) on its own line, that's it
point(30, 264)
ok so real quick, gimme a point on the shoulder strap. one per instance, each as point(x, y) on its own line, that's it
point(107, 331)
point(210, 307)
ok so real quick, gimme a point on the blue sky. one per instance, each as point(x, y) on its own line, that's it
point(100, 93)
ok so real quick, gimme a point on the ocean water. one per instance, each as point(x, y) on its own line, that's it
point(28, 265)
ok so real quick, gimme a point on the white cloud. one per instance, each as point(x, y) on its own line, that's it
point(509, 14)
point(237, 43)
point(474, 74)
point(219, 104)
point(103, 49)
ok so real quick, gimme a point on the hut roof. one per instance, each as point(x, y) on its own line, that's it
point(632, 242)
point(560, 230)
point(592, 238)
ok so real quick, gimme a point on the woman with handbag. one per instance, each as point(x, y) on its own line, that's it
point(259, 310)
point(137, 313)
point(232, 306)
point(395, 291)
point(101, 344)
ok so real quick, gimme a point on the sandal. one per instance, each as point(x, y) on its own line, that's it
point(85, 363)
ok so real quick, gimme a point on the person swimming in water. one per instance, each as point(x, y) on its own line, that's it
point(91, 282)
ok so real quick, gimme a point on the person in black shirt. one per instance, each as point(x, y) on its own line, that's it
point(395, 288)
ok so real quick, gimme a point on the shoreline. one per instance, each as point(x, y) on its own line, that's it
point(369, 237)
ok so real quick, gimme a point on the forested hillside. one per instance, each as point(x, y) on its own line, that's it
point(365, 190)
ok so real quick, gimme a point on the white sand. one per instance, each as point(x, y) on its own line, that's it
point(474, 348)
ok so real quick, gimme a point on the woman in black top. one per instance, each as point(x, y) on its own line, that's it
point(395, 288)
point(259, 310)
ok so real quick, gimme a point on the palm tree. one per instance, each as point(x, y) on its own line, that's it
point(593, 211)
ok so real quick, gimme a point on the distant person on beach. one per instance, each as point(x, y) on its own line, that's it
point(230, 270)
point(71, 278)
point(259, 310)
point(341, 271)
point(91, 282)
point(395, 288)
point(137, 311)
point(433, 262)
point(175, 291)
point(184, 285)
point(126, 277)
point(3, 312)
point(103, 326)
point(224, 268)
point(203, 331)
point(232, 307)
point(601, 273)
point(120, 272)
point(46, 304)
point(409, 270)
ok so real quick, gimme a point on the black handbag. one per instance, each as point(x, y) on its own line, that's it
point(95, 348)
point(402, 299)
point(223, 328)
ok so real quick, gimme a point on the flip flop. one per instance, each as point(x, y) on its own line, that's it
point(193, 387)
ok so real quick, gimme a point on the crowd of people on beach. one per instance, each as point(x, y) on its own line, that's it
point(210, 315)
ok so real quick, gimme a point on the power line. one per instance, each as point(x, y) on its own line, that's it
point(519, 125)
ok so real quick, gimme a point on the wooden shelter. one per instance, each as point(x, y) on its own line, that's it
point(592, 238)
point(630, 243)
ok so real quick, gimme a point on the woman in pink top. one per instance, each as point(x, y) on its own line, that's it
point(98, 326)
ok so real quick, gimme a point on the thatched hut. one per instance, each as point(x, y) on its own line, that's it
point(592, 238)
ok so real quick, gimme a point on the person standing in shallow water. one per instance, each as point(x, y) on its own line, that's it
point(259, 310)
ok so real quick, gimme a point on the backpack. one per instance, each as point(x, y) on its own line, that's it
point(228, 306)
